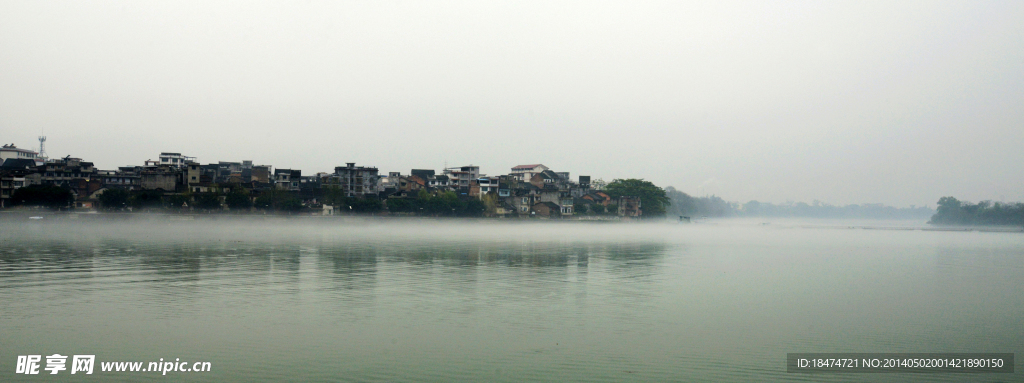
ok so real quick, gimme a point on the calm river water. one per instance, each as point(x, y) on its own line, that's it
point(326, 301)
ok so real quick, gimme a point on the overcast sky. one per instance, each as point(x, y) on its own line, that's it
point(857, 102)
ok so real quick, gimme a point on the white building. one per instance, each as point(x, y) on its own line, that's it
point(460, 176)
point(175, 159)
point(11, 151)
point(524, 173)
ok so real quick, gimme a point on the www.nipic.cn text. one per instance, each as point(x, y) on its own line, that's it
point(84, 364)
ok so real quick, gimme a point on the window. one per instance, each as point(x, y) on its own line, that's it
point(526, 199)
point(524, 209)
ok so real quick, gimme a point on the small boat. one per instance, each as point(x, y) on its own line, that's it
point(35, 217)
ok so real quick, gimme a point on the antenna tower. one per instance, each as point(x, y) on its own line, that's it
point(42, 146)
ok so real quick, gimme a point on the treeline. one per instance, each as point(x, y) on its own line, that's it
point(714, 206)
point(445, 204)
point(238, 199)
point(118, 199)
point(952, 211)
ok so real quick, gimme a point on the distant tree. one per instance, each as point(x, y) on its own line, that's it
point(948, 212)
point(473, 208)
point(265, 201)
point(333, 195)
point(490, 201)
point(114, 199)
point(365, 205)
point(400, 205)
point(682, 203)
point(178, 201)
point(653, 201)
point(579, 209)
point(238, 199)
point(142, 199)
point(952, 211)
point(43, 195)
point(715, 206)
point(290, 204)
point(208, 201)
point(278, 200)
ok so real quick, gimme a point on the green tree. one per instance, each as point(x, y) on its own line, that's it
point(43, 195)
point(146, 199)
point(473, 208)
point(178, 201)
point(208, 201)
point(289, 204)
point(238, 199)
point(114, 199)
point(365, 205)
point(490, 201)
point(333, 195)
point(265, 201)
point(653, 200)
point(682, 203)
point(952, 211)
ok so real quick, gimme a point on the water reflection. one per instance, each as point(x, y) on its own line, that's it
point(608, 303)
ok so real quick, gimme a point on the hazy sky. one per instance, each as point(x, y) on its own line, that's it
point(846, 102)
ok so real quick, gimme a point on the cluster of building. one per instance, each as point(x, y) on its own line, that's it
point(527, 190)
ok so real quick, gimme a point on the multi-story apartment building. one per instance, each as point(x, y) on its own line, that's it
point(439, 182)
point(175, 159)
point(14, 152)
point(77, 175)
point(461, 178)
point(523, 173)
point(125, 177)
point(287, 179)
point(354, 181)
point(162, 177)
point(488, 184)
point(260, 173)
point(15, 174)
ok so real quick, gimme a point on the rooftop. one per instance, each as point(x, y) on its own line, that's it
point(527, 166)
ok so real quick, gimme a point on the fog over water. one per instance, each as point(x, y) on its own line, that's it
point(319, 300)
point(843, 102)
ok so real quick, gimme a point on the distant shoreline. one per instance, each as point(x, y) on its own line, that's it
point(47, 216)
